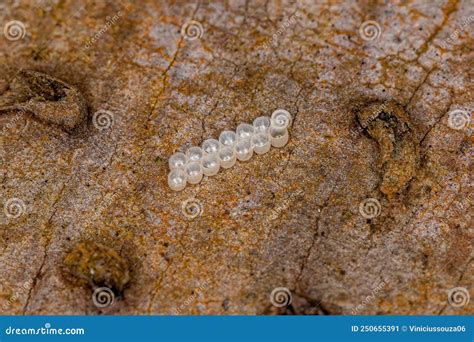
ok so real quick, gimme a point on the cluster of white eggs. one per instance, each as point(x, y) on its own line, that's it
point(190, 167)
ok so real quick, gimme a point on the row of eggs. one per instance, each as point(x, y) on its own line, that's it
point(190, 167)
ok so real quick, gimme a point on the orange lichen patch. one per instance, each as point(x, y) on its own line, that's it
point(389, 125)
point(93, 264)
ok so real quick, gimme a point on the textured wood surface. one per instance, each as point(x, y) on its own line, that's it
point(85, 198)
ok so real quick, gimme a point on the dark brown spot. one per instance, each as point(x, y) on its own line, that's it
point(389, 125)
point(46, 98)
point(95, 265)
